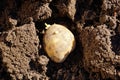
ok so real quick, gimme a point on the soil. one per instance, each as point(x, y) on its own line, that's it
point(94, 23)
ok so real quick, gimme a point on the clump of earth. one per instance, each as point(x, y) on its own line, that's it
point(95, 25)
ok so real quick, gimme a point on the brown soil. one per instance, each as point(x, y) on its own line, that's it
point(94, 23)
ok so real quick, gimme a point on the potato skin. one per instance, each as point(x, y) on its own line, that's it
point(58, 42)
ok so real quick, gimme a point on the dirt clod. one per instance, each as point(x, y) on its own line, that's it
point(19, 47)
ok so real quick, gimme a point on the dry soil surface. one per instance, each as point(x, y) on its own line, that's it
point(94, 23)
